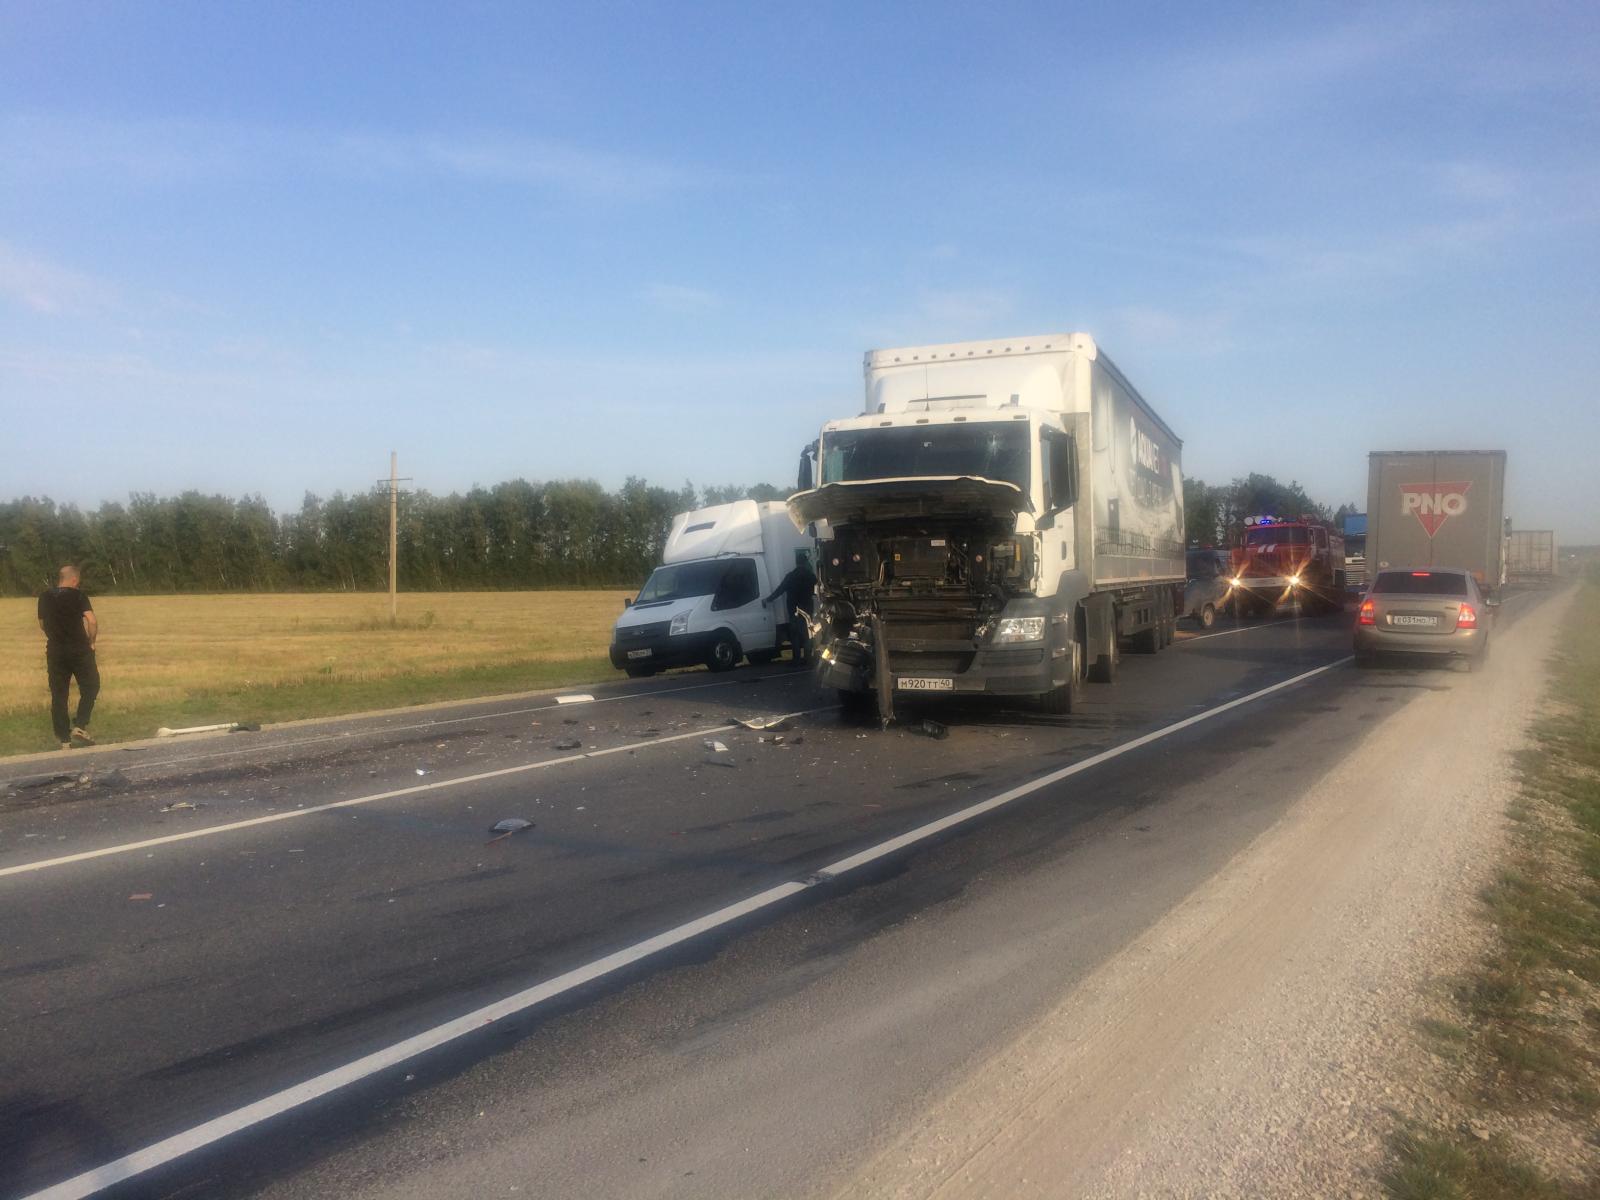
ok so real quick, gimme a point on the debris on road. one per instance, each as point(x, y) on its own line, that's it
point(142, 896)
point(567, 744)
point(503, 829)
point(714, 746)
point(246, 727)
point(179, 806)
point(579, 699)
point(770, 724)
point(224, 727)
point(932, 729)
point(420, 771)
point(720, 762)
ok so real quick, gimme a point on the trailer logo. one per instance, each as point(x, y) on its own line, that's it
point(1146, 450)
point(1434, 503)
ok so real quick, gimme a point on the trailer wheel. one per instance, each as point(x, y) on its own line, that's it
point(724, 654)
point(1208, 616)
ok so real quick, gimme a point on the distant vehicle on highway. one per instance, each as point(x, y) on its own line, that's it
point(1438, 508)
point(703, 603)
point(1207, 593)
point(1434, 610)
point(1531, 556)
point(1298, 559)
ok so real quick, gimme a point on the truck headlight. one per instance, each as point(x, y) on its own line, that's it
point(680, 624)
point(1019, 629)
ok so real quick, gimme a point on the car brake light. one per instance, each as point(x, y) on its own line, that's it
point(1368, 615)
point(1467, 618)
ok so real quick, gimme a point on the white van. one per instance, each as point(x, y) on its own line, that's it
point(704, 603)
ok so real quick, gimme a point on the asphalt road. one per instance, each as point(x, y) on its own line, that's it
point(336, 889)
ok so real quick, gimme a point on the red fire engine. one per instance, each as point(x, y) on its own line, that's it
point(1299, 559)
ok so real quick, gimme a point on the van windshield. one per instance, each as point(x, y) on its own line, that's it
point(680, 581)
point(990, 450)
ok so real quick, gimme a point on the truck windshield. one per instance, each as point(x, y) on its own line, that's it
point(1277, 535)
point(992, 450)
point(680, 581)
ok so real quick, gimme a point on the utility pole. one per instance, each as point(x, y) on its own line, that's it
point(394, 533)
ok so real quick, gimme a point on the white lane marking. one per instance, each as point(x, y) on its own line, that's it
point(190, 1140)
point(415, 789)
point(1200, 637)
point(136, 764)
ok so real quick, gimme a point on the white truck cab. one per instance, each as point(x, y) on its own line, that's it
point(703, 604)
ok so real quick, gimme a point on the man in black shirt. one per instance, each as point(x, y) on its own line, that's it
point(70, 629)
point(799, 589)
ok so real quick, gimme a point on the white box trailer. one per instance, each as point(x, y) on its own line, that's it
point(996, 519)
point(1531, 556)
point(704, 604)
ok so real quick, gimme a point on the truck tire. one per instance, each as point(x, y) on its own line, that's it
point(724, 654)
point(1208, 615)
point(1068, 697)
point(1146, 641)
point(1104, 667)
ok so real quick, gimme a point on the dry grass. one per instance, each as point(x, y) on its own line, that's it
point(159, 653)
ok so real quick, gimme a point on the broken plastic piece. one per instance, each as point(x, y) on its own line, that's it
point(568, 744)
point(582, 699)
point(720, 762)
point(714, 746)
point(769, 724)
point(510, 825)
point(142, 896)
point(178, 806)
point(420, 771)
point(931, 729)
point(225, 727)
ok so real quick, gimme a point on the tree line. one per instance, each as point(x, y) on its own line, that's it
point(562, 533)
point(1215, 516)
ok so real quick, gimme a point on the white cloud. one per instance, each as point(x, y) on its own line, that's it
point(46, 287)
point(172, 152)
point(680, 300)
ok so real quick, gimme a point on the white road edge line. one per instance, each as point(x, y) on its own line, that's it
point(175, 1147)
point(1200, 637)
point(354, 801)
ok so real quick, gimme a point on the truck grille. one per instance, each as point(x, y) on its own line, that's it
point(638, 633)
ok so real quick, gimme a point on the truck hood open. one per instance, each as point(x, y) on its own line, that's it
point(923, 496)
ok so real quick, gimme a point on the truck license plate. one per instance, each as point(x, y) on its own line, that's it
point(1407, 620)
point(914, 683)
point(638, 653)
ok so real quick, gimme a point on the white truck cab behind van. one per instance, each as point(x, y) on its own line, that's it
point(703, 604)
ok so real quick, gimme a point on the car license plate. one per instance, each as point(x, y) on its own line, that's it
point(638, 653)
point(1403, 619)
point(914, 683)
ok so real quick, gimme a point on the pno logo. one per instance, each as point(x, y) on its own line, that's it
point(1434, 503)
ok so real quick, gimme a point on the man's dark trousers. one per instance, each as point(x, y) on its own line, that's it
point(65, 664)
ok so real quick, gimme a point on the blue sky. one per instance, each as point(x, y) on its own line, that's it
point(253, 248)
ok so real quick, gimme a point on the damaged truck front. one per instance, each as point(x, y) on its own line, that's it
point(998, 521)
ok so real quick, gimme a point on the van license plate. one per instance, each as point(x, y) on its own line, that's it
point(638, 654)
point(1407, 620)
point(913, 683)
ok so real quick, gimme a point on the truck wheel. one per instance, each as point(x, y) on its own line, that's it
point(724, 654)
point(1147, 641)
point(1208, 616)
point(637, 672)
point(1104, 667)
point(1068, 697)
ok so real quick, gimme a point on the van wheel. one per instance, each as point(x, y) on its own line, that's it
point(1208, 616)
point(724, 654)
point(635, 672)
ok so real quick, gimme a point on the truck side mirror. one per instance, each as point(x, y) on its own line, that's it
point(806, 479)
point(627, 602)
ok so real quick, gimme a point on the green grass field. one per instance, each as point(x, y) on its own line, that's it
point(198, 660)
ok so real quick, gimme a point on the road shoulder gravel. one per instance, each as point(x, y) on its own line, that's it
point(1257, 1039)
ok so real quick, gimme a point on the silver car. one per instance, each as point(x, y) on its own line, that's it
point(1433, 610)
